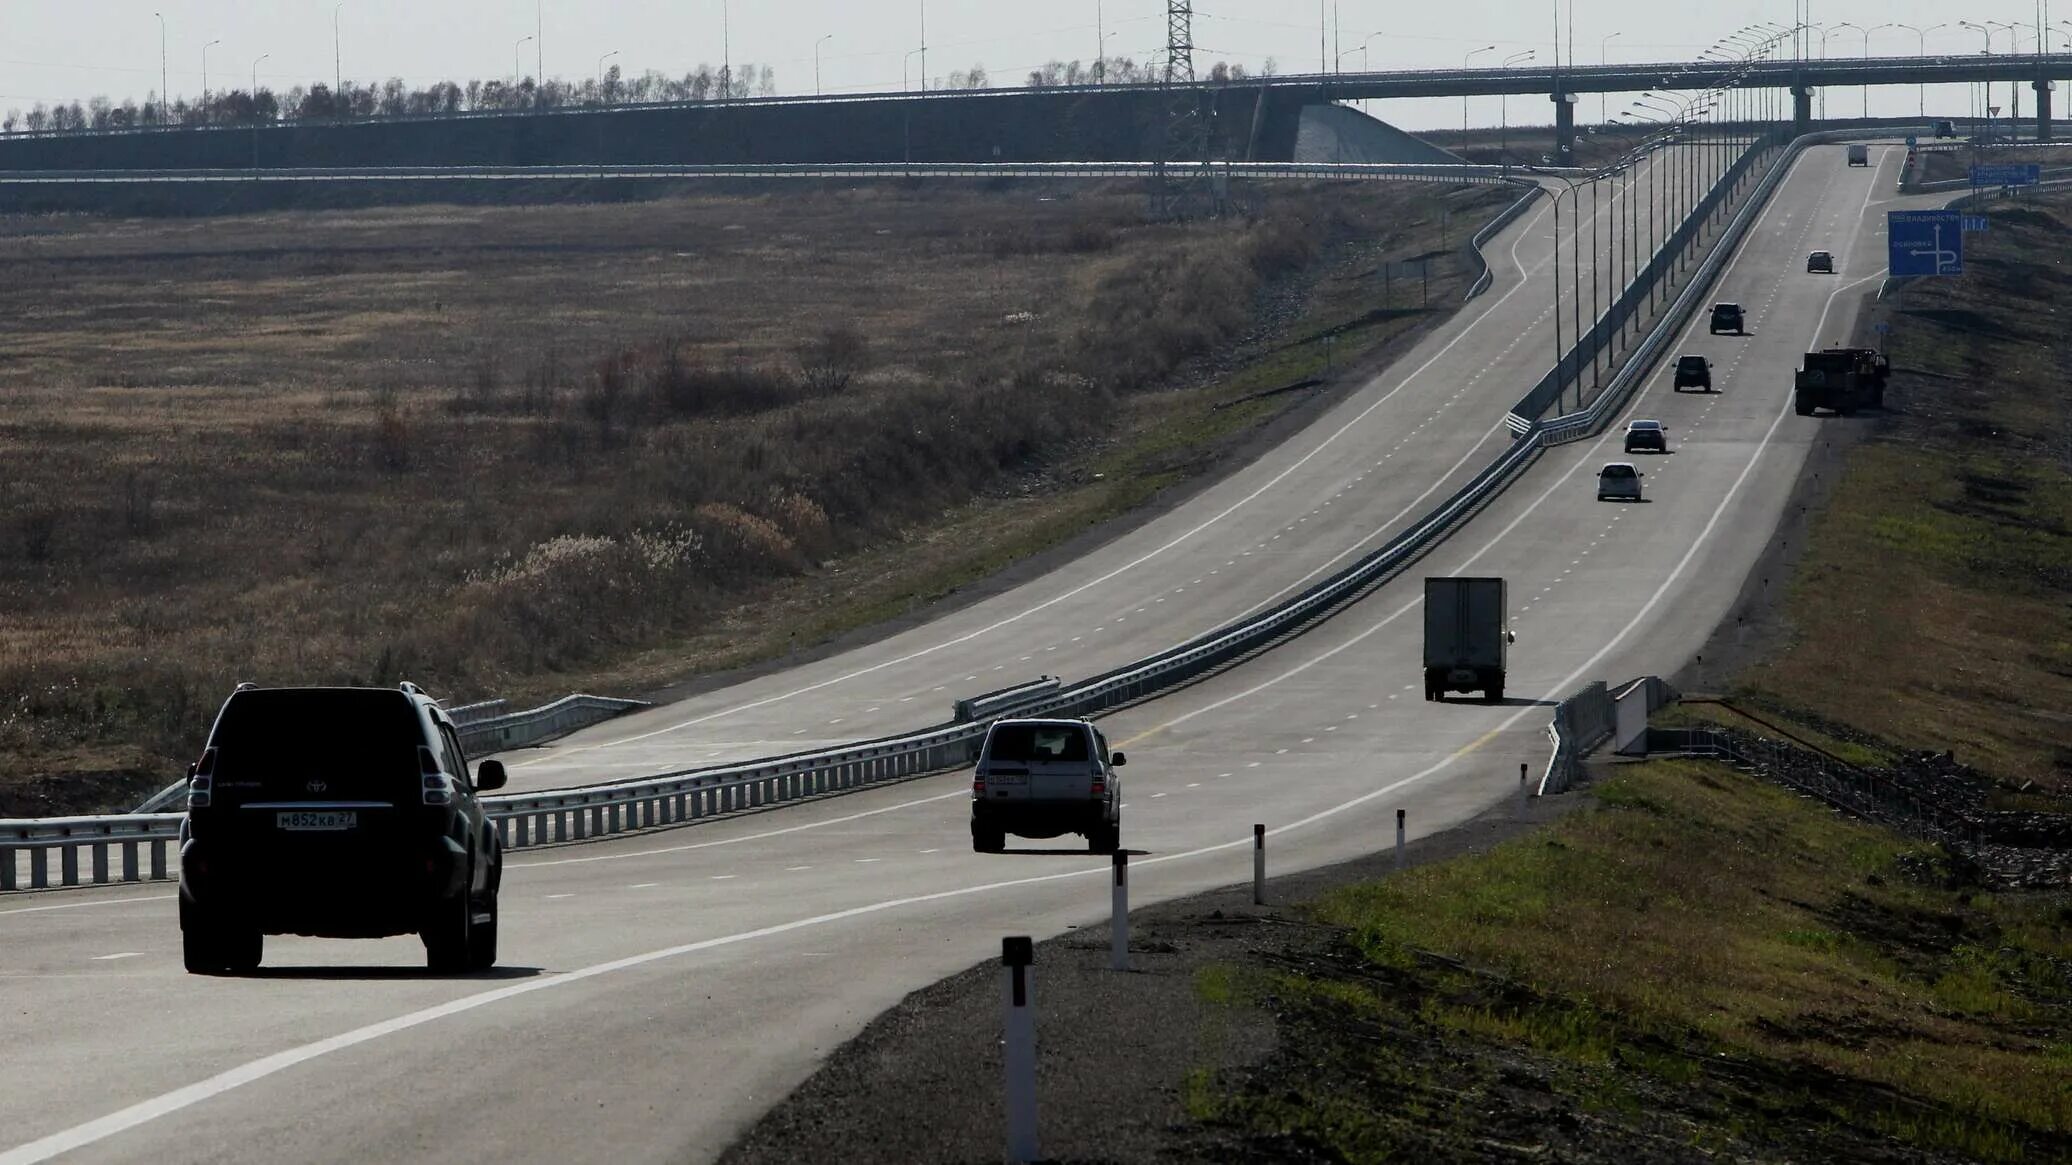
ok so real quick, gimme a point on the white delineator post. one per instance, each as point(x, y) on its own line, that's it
point(1016, 955)
point(1258, 865)
point(1119, 929)
point(1400, 814)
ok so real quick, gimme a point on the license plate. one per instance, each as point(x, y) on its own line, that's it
point(1016, 779)
point(327, 822)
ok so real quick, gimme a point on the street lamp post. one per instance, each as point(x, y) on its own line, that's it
point(205, 78)
point(255, 81)
point(1866, 56)
point(603, 96)
point(165, 100)
point(906, 82)
point(1471, 55)
point(1987, 34)
point(1503, 117)
point(1921, 49)
point(337, 55)
point(1603, 44)
point(515, 67)
point(816, 61)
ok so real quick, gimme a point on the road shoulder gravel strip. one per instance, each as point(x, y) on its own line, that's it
point(1115, 1051)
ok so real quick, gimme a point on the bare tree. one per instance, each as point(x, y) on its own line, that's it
point(834, 358)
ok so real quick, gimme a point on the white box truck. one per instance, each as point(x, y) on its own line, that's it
point(1465, 637)
point(1859, 155)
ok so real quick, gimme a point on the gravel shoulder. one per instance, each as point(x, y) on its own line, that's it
point(922, 1083)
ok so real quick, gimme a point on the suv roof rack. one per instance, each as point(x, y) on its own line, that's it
point(245, 686)
point(410, 688)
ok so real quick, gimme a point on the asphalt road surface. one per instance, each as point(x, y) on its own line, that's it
point(659, 992)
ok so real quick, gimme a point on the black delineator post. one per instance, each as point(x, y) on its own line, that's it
point(1119, 928)
point(1258, 865)
point(1524, 791)
point(1400, 814)
point(1016, 955)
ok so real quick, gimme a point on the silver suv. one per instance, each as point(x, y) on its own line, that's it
point(1046, 778)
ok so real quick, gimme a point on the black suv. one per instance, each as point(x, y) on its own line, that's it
point(337, 813)
point(1726, 317)
point(1693, 372)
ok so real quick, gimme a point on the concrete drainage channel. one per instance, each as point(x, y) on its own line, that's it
point(141, 841)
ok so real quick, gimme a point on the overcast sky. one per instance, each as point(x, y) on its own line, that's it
point(51, 51)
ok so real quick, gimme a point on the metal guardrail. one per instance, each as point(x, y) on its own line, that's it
point(1485, 276)
point(498, 732)
point(994, 705)
point(526, 820)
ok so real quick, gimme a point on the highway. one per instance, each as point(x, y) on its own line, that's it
point(660, 992)
point(1371, 467)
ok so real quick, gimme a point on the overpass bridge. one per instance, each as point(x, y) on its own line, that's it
point(1257, 119)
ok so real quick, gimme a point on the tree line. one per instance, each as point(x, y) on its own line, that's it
point(392, 98)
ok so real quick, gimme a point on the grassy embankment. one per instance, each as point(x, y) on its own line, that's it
point(1704, 963)
point(518, 451)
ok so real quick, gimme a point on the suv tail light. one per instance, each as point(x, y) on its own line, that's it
point(201, 782)
point(438, 789)
point(1100, 786)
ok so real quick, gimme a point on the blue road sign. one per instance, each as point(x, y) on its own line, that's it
point(2007, 174)
point(1976, 224)
point(1925, 242)
point(1912, 141)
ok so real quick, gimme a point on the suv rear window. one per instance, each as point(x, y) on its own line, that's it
point(1037, 742)
point(359, 744)
point(1618, 471)
point(1690, 363)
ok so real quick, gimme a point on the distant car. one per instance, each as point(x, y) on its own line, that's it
point(1945, 129)
point(1618, 481)
point(1727, 317)
point(337, 813)
point(1820, 262)
point(1045, 778)
point(1646, 436)
point(1693, 372)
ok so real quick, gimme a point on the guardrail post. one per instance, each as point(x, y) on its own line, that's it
point(158, 873)
point(1524, 792)
point(68, 865)
point(39, 868)
point(1016, 955)
point(1119, 928)
point(130, 870)
point(100, 863)
point(1400, 815)
point(561, 825)
point(9, 878)
point(1258, 865)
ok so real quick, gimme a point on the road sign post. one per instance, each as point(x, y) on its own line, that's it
point(1924, 242)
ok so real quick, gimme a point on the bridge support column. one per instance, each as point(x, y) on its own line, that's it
point(1564, 126)
point(2043, 91)
point(1801, 109)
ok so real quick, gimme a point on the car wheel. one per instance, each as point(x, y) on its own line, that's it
point(482, 940)
point(1495, 694)
point(1104, 838)
point(988, 841)
point(448, 938)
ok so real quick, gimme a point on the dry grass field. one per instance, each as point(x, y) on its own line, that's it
point(523, 450)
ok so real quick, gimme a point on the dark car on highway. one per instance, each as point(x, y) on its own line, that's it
point(1727, 317)
point(1820, 262)
point(1646, 437)
point(337, 813)
point(1693, 372)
